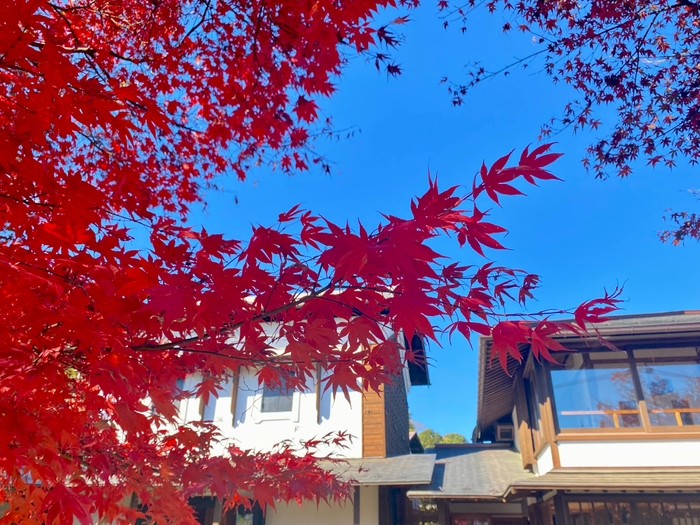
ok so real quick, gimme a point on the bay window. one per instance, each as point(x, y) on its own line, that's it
point(595, 390)
point(634, 390)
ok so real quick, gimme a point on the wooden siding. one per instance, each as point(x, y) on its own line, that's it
point(373, 425)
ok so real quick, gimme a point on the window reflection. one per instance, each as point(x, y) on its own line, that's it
point(634, 513)
point(277, 400)
point(671, 384)
point(595, 390)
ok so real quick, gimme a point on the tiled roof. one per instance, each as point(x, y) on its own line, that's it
point(474, 471)
point(671, 479)
point(409, 469)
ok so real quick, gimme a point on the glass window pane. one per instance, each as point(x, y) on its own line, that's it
point(277, 400)
point(595, 391)
point(671, 383)
point(637, 512)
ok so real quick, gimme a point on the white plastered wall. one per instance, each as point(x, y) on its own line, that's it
point(544, 461)
point(325, 514)
point(252, 429)
point(629, 453)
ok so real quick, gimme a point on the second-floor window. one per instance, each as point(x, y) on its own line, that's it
point(277, 400)
point(595, 390)
point(641, 389)
point(670, 381)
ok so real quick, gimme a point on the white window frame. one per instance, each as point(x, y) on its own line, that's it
point(289, 415)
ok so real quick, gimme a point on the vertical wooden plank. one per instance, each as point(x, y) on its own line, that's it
point(217, 517)
point(373, 425)
point(533, 410)
point(527, 448)
point(535, 514)
point(443, 511)
point(202, 406)
point(561, 510)
point(639, 391)
point(234, 395)
point(384, 505)
point(547, 415)
point(258, 514)
point(356, 505)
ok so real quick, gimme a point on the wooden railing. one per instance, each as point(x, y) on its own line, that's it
point(676, 411)
point(605, 412)
point(624, 412)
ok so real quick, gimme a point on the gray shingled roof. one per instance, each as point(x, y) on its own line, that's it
point(409, 469)
point(616, 479)
point(474, 471)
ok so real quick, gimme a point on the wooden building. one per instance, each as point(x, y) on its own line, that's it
point(598, 437)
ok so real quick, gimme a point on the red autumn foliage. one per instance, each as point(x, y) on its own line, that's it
point(639, 57)
point(116, 115)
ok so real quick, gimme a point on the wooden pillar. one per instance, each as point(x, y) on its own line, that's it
point(561, 510)
point(384, 505)
point(547, 414)
point(527, 448)
point(356, 505)
point(535, 514)
point(443, 506)
point(217, 516)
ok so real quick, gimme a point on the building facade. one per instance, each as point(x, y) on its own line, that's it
point(599, 436)
point(603, 436)
point(378, 456)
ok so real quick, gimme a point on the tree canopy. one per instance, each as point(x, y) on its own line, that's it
point(453, 437)
point(638, 57)
point(429, 438)
point(117, 115)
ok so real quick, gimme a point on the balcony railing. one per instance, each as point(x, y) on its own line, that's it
point(616, 414)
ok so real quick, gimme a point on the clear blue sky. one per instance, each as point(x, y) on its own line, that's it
point(580, 235)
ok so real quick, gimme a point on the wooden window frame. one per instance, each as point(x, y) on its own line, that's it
point(543, 404)
point(534, 410)
point(646, 430)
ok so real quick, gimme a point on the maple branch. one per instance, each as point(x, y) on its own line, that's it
point(28, 202)
point(229, 328)
point(91, 51)
point(267, 361)
point(129, 219)
point(198, 24)
point(60, 11)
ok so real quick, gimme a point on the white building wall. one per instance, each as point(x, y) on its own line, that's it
point(252, 429)
point(516, 434)
point(255, 430)
point(545, 461)
point(630, 453)
point(325, 514)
